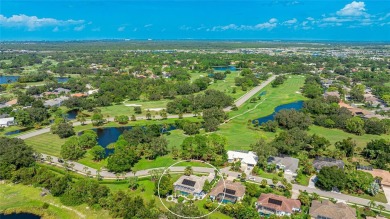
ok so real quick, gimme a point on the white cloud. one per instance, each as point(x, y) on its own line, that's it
point(273, 20)
point(33, 22)
point(290, 22)
point(310, 18)
point(79, 28)
point(384, 17)
point(272, 23)
point(56, 29)
point(148, 25)
point(354, 9)
point(97, 29)
point(121, 29)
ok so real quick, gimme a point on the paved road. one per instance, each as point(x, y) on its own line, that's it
point(82, 169)
point(241, 100)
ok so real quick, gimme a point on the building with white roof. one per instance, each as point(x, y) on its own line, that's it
point(5, 122)
point(247, 158)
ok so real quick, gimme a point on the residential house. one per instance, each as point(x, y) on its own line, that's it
point(192, 184)
point(247, 158)
point(275, 204)
point(288, 164)
point(382, 176)
point(327, 210)
point(228, 191)
point(321, 162)
point(55, 102)
point(5, 122)
point(332, 93)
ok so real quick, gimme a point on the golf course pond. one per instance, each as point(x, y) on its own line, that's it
point(294, 105)
point(109, 135)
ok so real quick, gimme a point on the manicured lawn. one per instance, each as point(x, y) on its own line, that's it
point(26, 198)
point(380, 197)
point(334, 135)
point(303, 179)
point(122, 109)
point(267, 175)
point(87, 160)
point(164, 161)
point(46, 143)
point(236, 131)
point(175, 138)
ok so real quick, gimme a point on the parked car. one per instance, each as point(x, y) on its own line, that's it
point(60, 160)
point(252, 179)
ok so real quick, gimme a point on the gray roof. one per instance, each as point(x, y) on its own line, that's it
point(321, 162)
point(59, 90)
point(327, 209)
point(289, 163)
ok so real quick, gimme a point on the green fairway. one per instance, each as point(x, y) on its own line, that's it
point(226, 85)
point(334, 135)
point(164, 161)
point(46, 143)
point(236, 131)
point(127, 108)
point(21, 198)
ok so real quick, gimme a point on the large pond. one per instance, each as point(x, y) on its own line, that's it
point(294, 105)
point(19, 216)
point(224, 68)
point(72, 114)
point(110, 135)
point(10, 79)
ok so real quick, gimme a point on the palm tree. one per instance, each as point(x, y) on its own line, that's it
point(148, 115)
point(71, 165)
point(188, 171)
point(315, 196)
point(81, 118)
point(380, 208)
point(264, 183)
point(85, 169)
point(133, 118)
point(372, 204)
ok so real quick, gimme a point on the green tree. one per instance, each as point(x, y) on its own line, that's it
point(355, 125)
point(188, 171)
point(88, 139)
point(347, 145)
point(14, 154)
point(97, 119)
point(81, 118)
point(71, 149)
point(165, 186)
point(133, 183)
point(330, 177)
point(263, 150)
point(97, 152)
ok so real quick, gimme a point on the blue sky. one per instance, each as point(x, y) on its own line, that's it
point(341, 20)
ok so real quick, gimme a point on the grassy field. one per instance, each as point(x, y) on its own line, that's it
point(28, 199)
point(334, 135)
point(46, 143)
point(236, 131)
point(122, 109)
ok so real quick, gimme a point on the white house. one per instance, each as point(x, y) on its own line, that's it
point(5, 122)
point(248, 159)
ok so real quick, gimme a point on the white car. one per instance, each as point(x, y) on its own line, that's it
point(252, 179)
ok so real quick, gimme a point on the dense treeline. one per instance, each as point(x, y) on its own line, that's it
point(17, 163)
point(196, 103)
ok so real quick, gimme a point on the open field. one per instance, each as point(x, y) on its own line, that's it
point(334, 135)
point(122, 109)
point(28, 199)
point(223, 85)
point(46, 143)
point(239, 136)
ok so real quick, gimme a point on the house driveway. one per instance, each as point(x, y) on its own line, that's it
point(386, 190)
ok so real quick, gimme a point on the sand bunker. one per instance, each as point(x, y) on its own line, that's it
point(132, 105)
point(155, 109)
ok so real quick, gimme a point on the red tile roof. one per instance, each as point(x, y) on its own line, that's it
point(286, 204)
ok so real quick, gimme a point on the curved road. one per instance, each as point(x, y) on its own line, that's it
point(85, 170)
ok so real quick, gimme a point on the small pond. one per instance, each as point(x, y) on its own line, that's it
point(110, 135)
point(7, 79)
point(72, 114)
point(224, 68)
point(20, 216)
point(294, 105)
point(17, 131)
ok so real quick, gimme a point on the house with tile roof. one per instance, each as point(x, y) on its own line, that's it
point(192, 184)
point(268, 204)
point(247, 158)
point(327, 210)
point(227, 192)
point(288, 164)
point(321, 162)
